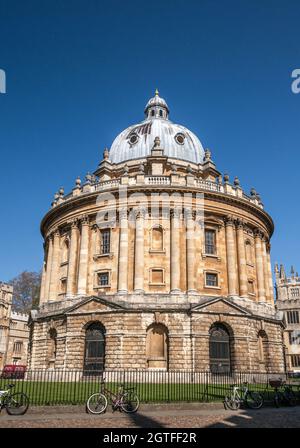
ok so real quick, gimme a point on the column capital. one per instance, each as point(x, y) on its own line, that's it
point(140, 212)
point(74, 223)
point(84, 220)
point(229, 220)
point(175, 212)
point(258, 233)
point(123, 213)
point(240, 223)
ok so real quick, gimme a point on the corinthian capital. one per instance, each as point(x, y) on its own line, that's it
point(84, 219)
point(229, 220)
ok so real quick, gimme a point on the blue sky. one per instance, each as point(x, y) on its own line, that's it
point(79, 72)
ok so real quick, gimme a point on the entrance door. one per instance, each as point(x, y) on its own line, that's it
point(94, 353)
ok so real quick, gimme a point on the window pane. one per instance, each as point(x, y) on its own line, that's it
point(211, 280)
point(210, 242)
point(105, 241)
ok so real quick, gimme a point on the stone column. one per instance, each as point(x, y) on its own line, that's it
point(269, 267)
point(175, 251)
point(231, 256)
point(265, 267)
point(48, 268)
point(42, 291)
point(259, 267)
point(139, 253)
point(83, 257)
point(190, 251)
point(241, 249)
point(54, 266)
point(72, 260)
point(123, 253)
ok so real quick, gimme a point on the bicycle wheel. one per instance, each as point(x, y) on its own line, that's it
point(277, 400)
point(254, 400)
point(290, 397)
point(17, 404)
point(130, 402)
point(232, 403)
point(97, 403)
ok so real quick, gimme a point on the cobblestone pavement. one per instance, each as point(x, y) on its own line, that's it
point(201, 417)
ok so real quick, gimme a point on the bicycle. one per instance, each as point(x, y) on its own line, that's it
point(124, 400)
point(242, 395)
point(15, 404)
point(285, 396)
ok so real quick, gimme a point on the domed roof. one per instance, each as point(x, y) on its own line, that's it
point(137, 140)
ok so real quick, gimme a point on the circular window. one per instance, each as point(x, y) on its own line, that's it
point(133, 139)
point(179, 138)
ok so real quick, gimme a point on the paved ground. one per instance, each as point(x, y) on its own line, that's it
point(182, 416)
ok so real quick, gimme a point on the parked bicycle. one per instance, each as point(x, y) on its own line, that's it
point(242, 395)
point(15, 404)
point(283, 393)
point(125, 400)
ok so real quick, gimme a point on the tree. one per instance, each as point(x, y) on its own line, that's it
point(26, 291)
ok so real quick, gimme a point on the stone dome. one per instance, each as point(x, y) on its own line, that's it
point(137, 140)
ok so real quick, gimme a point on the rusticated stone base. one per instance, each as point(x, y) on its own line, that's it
point(187, 327)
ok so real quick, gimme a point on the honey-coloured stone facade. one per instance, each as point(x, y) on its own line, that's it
point(161, 259)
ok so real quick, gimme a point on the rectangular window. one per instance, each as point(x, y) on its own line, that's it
point(294, 337)
point(105, 241)
point(18, 347)
point(295, 360)
point(103, 278)
point(250, 286)
point(210, 242)
point(292, 317)
point(211, 279)
point(63, 286)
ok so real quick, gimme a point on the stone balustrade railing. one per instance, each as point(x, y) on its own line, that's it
point(141, 179)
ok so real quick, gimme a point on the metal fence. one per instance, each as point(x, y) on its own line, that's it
point(62, 387)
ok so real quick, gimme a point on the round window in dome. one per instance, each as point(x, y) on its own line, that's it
point(179, 138)
point(133, 138)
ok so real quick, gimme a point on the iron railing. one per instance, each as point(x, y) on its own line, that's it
point(62, 387)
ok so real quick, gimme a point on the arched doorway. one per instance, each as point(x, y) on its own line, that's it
point(157, 346)
point(94, 351)
point(219, 349)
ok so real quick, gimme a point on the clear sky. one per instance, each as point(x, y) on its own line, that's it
point(79, 72)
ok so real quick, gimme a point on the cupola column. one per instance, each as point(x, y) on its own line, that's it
point(243, 280)
point(175, 251)
point(123, 253)
point(83, 257)
point(259, 267)
point(72, 260)
point(139, 253)
point(190, 251)
point(54, 266)
point(231, 256)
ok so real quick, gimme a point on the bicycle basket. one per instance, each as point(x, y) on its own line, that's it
point(275, 383)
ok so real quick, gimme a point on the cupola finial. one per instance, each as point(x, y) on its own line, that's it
point(156, 92)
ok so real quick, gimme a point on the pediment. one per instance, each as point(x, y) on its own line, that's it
point(93, 304)
point(220, 305)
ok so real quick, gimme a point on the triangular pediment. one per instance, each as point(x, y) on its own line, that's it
point(220, 305)
point(94, 304)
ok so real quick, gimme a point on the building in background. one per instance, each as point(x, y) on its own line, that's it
point(134, 277)
point(288, 304)
point(14, 330)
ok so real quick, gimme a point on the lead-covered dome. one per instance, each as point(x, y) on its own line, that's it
point(137, 140)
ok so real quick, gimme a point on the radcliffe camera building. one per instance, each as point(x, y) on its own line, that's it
point(288, 305)
point(157, 261)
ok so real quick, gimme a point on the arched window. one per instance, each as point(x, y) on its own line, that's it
point(219, 349)
point(94, 352)
point(51, 347)
point(153, 113)
point(262, 348)
point(160, 113)
point(157, 346)
point(157, 238)
point(65, 251)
